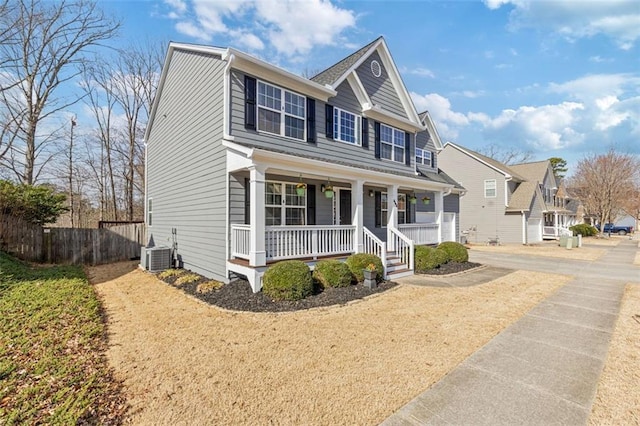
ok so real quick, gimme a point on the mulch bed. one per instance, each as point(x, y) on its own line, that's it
point(238, 296)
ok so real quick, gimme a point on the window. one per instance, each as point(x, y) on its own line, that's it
point(402, 208)
point(283, 205)
point(490, 188)
point(424, 157)
point(346, 126)
point(280, 111)
point(149, 212)
point(384, 209)
point(391, 143)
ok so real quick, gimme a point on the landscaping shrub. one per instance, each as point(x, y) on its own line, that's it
point(456, 252)
point(208, 287)
point(584, 230)
point(357, 262)
point(332, 273)
point(168, 273)
point(187, 279)
point(429, 258)
point(288, 280)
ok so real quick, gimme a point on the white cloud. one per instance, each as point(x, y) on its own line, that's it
point(291, 27)
point(448, 121)
point(618, 19)
point(422, 72)
point(596, 86)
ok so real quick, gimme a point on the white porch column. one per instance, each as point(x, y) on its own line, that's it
point(438, 205)
point(357, 211)
point(257, 253)
point(392, 205)
point(555, 223)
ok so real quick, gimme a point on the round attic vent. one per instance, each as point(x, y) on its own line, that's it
point(376, 69)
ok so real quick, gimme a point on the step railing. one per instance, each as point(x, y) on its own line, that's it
point(402, 245)
point(374, 245)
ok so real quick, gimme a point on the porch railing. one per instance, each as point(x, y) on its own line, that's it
point(401, 245)
point(291, 242)
point(420, 233)
point(553, 231)
point(374, 245)
point(240, 240)
point(448, 227)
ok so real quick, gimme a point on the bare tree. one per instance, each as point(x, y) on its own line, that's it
point(631, 204)
point(41, 56)
point(604, 182)
point(506, 156)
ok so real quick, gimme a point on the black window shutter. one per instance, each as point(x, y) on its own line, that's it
point(365, 133)
point(433, 159)
point(410, 210)
point(311, 120)
point(247, 201)
point(249, 102)
point(311, 204)
point(407, 148)
point(328, 112)
point(378, 209)
point(376, 128)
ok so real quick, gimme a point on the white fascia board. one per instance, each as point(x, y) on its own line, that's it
point(359, 90)
point(286, 79)
point(355, 66)
point(464, 151)
point(246, 151)
point(431, 127)
point(396, 79)
point(377, 113)
point(298, 165)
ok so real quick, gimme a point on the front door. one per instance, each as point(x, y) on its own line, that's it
point(343, 209)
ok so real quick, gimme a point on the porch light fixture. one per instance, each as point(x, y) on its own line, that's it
point(371, 193)
point(327, 189)
point(426, 200)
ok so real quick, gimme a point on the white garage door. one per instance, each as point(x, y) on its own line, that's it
point(534, 230)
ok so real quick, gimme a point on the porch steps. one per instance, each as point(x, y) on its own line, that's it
point(395, 268)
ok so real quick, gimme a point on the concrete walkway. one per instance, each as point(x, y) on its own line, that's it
point(544, 368)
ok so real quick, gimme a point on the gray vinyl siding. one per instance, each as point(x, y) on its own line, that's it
point(485, 215)
point(237, 183)
point(535, 209)
point(186, 164)
point(380, 89)
point(324, 149)
point(424, 141)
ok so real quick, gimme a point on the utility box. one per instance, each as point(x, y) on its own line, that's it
point(155, 259)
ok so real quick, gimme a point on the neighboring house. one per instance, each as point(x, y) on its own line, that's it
point(504, 204)
point(248, 164)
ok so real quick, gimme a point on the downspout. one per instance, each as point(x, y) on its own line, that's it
point(506, 190)
point(226, 99)
point(524, 227)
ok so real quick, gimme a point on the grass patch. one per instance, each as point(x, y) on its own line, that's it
point(209, 286)
point(52, 343)
point(187, 279)
point(170, 273)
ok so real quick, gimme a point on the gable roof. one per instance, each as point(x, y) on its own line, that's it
point(534, 171)
point(490, 162)
point(425, 118)
point(345, 69)
point(522, 196)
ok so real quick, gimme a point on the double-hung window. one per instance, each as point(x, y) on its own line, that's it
point(384, 208)
point(490, 188)
point(281, 112)
point(283, 205)
point(391, 143)
point(346, 126)
point(424, 157)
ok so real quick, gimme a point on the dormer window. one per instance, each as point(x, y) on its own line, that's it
point(281, 112)
point(346, 126)
point(424, 157)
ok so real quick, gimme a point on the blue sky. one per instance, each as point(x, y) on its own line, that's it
point(558, 78)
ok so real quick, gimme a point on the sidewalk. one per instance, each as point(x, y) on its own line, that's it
point(543, 369)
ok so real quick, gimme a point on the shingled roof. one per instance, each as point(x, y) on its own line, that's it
point(491, 162)
point(334, 72)
point(534, 171)
point(522, 196)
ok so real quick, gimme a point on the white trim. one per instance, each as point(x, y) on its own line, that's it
point(377, 113)
point(495, 188)
point(226, 116)
point(282, 111)
point(393, 145)
point(357, 127)
point(358, 89)
point(433, 131)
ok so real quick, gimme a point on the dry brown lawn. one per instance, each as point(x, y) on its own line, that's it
point(547, 250)
point(599, 241)
point(637, 259)
point(185, 362)
point(618, 398)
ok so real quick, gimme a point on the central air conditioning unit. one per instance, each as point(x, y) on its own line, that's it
point(156, 259)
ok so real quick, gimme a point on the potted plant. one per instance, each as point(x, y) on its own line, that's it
point(426, 200)
point(301, 187)
point(328, 191)
point(370, 272)
point(413, 199)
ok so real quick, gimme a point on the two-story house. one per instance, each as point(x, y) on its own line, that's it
point(247, 164)
point(506, 204)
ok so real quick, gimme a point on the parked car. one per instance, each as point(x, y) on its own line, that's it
point(610, 228)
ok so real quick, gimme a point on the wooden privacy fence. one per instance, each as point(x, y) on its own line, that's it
point(70, 245)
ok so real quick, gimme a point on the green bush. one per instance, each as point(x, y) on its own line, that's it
point(332, 273)
point(429, 258)
point(359, 261)
point(288, 280)
point(584, 230)
point(455, 251)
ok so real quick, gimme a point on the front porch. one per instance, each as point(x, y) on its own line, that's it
point(556, 224)
point(279, 212)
